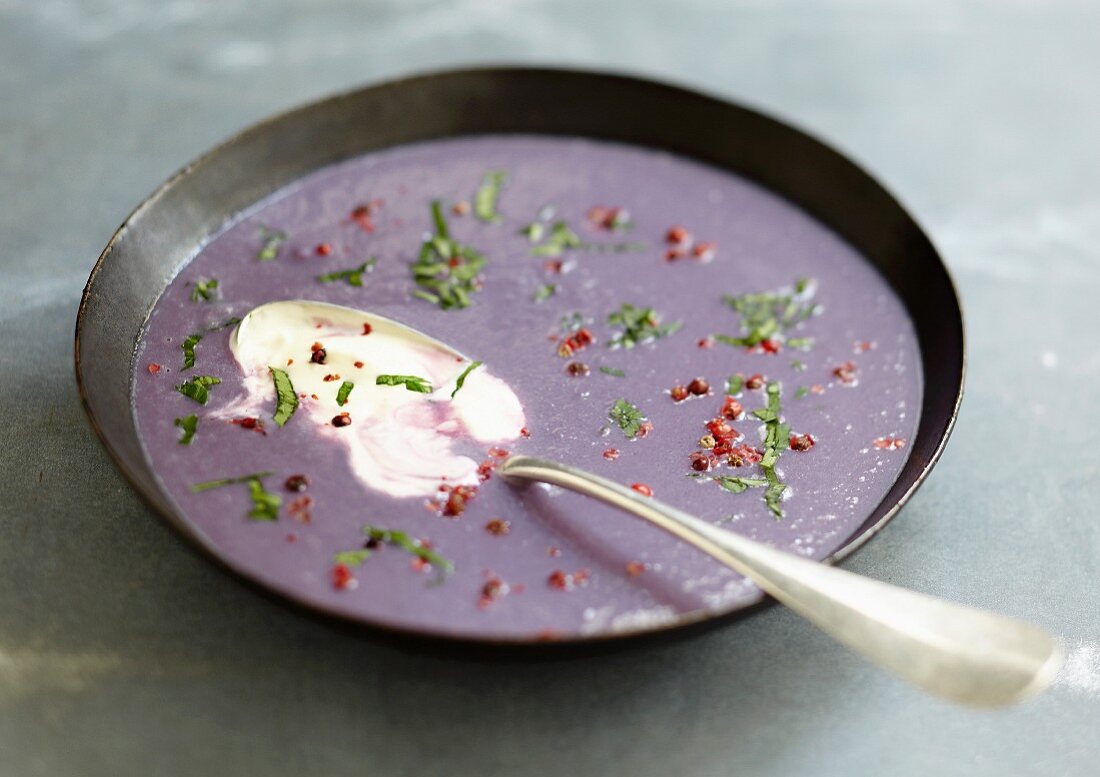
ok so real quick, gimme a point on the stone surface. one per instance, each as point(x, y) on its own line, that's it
point(122, 652)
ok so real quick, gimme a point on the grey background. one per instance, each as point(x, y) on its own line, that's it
point(122, 652)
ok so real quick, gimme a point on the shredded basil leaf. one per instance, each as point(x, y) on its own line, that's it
point(639, 325)
point(613, 372)
point(627, 417)
point(342, 394)
point(461, 380)
point(446, 271)
point(545, 292)
point(409, 545)
point(353, 277)
point(197, 388)
point(205, 291)
point(188, 348)
point(485, 200)
point(200, 487)
point(734, 384)
point(769, 315)
point(217, 326)
point(273, 243)
point(188, 425)
point(410, 382)
point(286, 399)
point(265, 505)
point(802, 391)
point(351, 558)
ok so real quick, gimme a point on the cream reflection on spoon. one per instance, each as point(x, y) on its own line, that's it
point(400, 442)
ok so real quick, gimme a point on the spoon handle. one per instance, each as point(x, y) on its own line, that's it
point(960, 653)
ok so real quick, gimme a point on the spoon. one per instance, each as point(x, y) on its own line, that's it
point(960, 653)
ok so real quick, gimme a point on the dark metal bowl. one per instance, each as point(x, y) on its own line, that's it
point(166, 230)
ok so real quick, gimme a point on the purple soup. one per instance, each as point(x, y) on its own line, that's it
point(662, 323)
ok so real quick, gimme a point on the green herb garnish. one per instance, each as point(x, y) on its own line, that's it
point(544, 292)
point(286, 399)
point(197, 388)
point(205, 291)
point(561, 239)
point(769, 315)
point(273, 243)
point(353, 277)
point(410, 382)
point(231, 321)
point(798, 365)
point(342, 394)
point(188, 425)
point(351, 558)
point(485, 200)
point(613, 372)
point(736, 485)
point(627, 416)
point(200, 487)
point(534, 231)
point(446, 271)
point(639, 325)
point(188, 348)
point(802, 391)
point(409, 545)
point(734, 384)
point(461, 380)
point(265, 505)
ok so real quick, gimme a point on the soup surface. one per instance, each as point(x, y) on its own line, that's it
point(649, 318)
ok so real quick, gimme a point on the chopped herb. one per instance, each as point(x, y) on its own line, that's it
point(627, 416)
point(613, 372)
point(205, 291)
point(446, 271)
point(734, 384)
point(802, 391)
point(188, 425)
point(273, 243)
point(351, 558)
point(485, 200)
point(805, 343)
point(188, 349)
point(639, 325)
point(769, 315)
point(534, 231)
point(215, 327)
point(286, 400)
point(797, 365)
point(265, 505)
point(353, 277)
point(561, 238)
point(545, 292)
point(735, 485)
point(200, 487)
point(342, 394)
point(461, 380)
point(410, 382)
point(409, 545)
point(571, 322)
point(197, 388)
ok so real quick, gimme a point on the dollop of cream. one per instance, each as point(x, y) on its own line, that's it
point(399, 442)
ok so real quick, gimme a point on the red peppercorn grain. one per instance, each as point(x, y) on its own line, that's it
point(323, 249)
point(296, 483)
point(344, 419)
point(801, 442)
point(679, 393)
point(698, 387)
point(577, 369)
point(642, 489)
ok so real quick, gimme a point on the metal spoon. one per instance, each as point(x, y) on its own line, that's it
point(960, 653)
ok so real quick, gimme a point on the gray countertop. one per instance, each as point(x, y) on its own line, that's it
point(122, 652)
